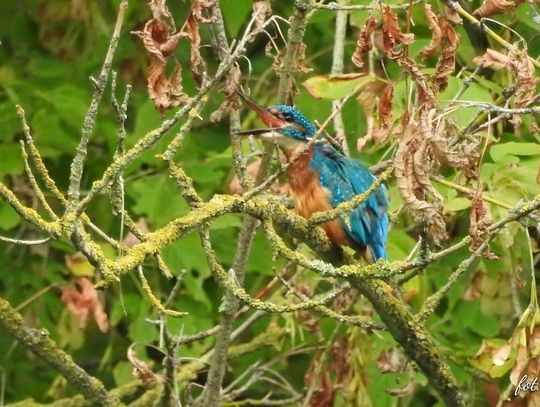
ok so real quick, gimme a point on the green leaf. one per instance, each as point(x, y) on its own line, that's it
point(457, 204)
point(158, 198)
point(8, 217)
point(51, 137)
point(235, 14)
point(336, 87)
point(499, 151)
point(70, 102)
point(11, 161)
point(123, 373)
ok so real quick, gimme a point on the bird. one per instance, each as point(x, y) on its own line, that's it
point(320, 178)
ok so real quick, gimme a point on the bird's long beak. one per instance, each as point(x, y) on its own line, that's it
point(272, 121)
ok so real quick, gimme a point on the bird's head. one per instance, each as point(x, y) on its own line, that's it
point(286, 125)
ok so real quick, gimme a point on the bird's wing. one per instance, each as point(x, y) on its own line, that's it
point(345, 178)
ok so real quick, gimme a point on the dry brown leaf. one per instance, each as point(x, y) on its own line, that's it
point(197, 8)
point(490, 7)
point(447, 61)
point(324, 393)
point(300, 65)
point(492, 59)
point(141, 370)
point(391, 361)
point(436, 32)
point(522, 69)
point(341, 354)
point(385, 114)
point(480, 221)
point(160, 43)
point(161, 12)
point(198, 67)
point(367, 100)
point(452, 16)
point(262, 9)
point(392, 34)
point(363, 44)
point(412, 165)
point(231, 99)
point(83, 302)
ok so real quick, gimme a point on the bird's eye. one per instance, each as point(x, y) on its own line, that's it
point(287, 116)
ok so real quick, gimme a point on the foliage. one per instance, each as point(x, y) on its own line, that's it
point(420, 82)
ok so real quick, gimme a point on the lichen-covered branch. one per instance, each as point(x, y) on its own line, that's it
point(38, 341)
point(77, 166)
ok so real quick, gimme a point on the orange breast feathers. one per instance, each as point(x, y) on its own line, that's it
point(310, 197)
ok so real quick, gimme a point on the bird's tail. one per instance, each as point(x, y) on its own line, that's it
point(374, 252)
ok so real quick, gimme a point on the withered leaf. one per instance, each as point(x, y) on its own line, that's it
point(161, 12)
point(436, 32)
point(522, 69)
point(480, 221)
point(363, 44)
point(447, 61)
point(83, 302)
point(385, 114)
point(490, 7)
point(262, 9)
point(325, 393)
point(392, 34)
point(197, 8)
point(231, 85)
point(160, 43)
point(391, 361)
point(452, 16)
point(412, 164)
point(492, 59)
point(301, 59)
point(141, 370)
point(197, 64)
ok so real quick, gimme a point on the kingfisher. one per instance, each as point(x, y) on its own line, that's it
point(321, 178)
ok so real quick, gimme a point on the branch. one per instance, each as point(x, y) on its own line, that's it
point(77, 165)
point(38, 342)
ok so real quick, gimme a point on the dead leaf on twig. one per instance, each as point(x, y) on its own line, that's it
point(391, 361)
point(385, 114)
point(392, 35)
point(300, 65)
point(367, 99)
point(231, 99)
point(199, 6)
point(447, 61)
point(83, 302)
point(420, 148)
point(324, 393)
point(480, 221)
point(141, 370)
point(436, 32)
point(160, 41)
point(262, 9)
point(492, 59)
point(522, 69)
point(490, 7)
point(363, 44)
point(197, 65)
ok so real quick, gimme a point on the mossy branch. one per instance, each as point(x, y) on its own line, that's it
point(39, 342)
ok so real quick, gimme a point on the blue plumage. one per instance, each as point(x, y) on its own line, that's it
point(345, 178)
point(325, 178)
